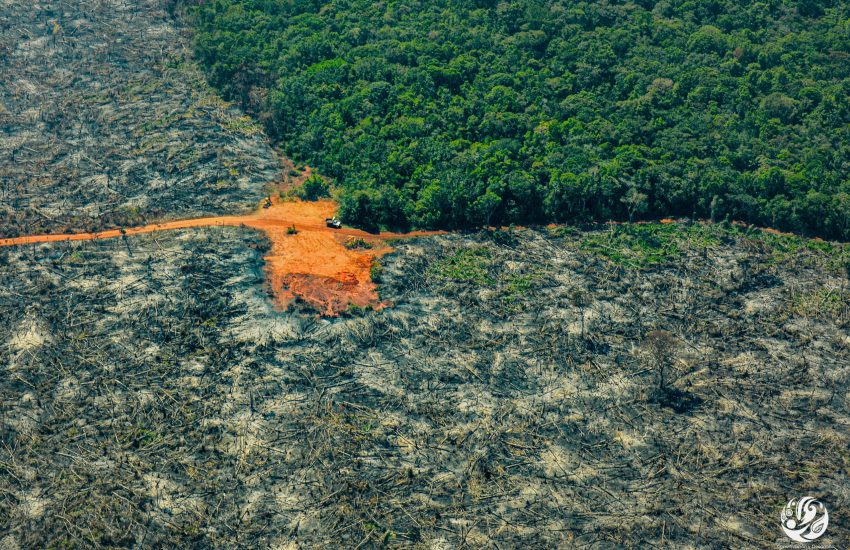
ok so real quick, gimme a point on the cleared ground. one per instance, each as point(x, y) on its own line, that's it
point(151, 395)
point(103, 123)
point(325, 268)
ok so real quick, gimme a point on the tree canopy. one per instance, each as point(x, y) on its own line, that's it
point(452, 113)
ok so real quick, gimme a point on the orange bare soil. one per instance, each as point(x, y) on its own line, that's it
point(312, 264)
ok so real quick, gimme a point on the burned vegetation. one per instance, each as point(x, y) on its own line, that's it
point(104, 123)
point(640, 385)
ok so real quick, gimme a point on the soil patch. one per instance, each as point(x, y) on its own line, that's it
point(307, 261)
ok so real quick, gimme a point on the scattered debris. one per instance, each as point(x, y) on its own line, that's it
point(106, 123)
point(171, 403)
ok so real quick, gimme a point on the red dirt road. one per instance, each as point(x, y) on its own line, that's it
point(304, 216)
point(312, 265)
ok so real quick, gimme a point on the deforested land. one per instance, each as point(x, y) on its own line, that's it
point(535, 388)
point(104, 123)
point(617, 385)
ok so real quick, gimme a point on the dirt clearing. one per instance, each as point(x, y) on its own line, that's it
point(308, 261)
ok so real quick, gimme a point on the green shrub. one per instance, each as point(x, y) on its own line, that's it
point(358, 243)
point(471, 265)
point(313, 189)
point(376, 271)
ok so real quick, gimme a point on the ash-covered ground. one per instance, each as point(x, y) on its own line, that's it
point(104, 123)
point(638, 386)
point(511, 396)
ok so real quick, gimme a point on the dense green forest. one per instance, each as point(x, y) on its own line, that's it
point(452, 113)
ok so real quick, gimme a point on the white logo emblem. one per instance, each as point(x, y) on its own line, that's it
point(804, 519)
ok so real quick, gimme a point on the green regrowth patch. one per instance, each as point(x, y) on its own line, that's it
point(835, 257)
point(471, 265)
point(477, 267)
point(635, 245)
point(829, 303)
point(515, 288)
point(643, 245)
point(353, 310)
point(243, 125)
point(376, 271)
point(358, 244)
